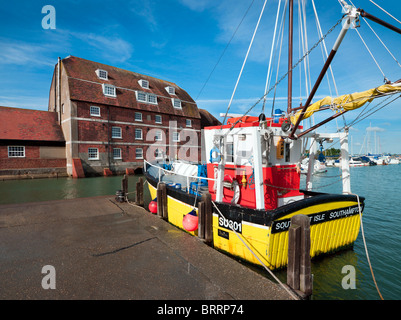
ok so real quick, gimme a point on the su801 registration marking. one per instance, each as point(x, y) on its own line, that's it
point(230, 224)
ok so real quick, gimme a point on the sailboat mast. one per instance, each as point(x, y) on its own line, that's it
point(290, 52)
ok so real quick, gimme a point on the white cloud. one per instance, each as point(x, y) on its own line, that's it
point(111, 48)
point(145, 10)
point(24, 53)
point(376, 129)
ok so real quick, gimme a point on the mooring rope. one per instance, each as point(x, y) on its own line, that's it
point(366, 247)
point(260, 261)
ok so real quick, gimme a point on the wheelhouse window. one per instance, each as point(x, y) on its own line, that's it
point(95, 111)
point(139, 153)
point(109, 90)
point(116, 132)
point(230, 152)
point(287, 152)
point(138, 134)
point(116, 153)
point(93, 154)
point(16, 151)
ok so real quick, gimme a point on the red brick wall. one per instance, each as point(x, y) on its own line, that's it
point(100, 130)
point(30, 161)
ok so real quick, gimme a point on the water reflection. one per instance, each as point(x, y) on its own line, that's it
point(19, 191)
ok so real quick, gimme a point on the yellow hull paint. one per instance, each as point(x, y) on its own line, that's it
point(256, 243)
point(176, 210)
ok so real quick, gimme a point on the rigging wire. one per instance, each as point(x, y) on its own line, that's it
point(225, 49)
point(385, 11)
point(281, 36)
point(382, 42)
point(306, 61)
point(243, 64)
point(377, 64)
point(271, 56)
point(376, 110)
point(286, 74)
point(303, 46)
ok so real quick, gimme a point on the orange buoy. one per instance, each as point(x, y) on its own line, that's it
point(153, 206)
point(190, 221)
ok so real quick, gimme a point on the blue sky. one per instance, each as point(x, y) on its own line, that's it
point(182, 40)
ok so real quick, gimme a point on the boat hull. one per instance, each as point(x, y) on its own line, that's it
point(261, 237)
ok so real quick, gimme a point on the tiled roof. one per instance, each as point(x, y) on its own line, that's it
point(27, 124)
point(207, 119)
point(84, 85)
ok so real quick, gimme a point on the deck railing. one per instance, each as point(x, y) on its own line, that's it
point(160, 169)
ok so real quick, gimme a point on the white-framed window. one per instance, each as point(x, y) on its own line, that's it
point(176, 103)
point(93, 154)
point(188, 122)
point(159, 135)
point(141, 96)
point(109, 90)
point(144, 83)
point(146, 97)
point(16, 151)
point(102, 74)
point(116, 132)
point(117, 153)
point(170, 90)
point(138, 134)
point(176, 136)
point(139, 153)
point(158, 154)
point(158, 118)
point(95, 111)
point(138, 116)
point(152, 98)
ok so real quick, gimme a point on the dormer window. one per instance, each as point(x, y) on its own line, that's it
point(146, 97)
point(144, 83)
point(109, 90)
point(152, 99)
point(176, 103)
point(170, 90)
point(102, 74)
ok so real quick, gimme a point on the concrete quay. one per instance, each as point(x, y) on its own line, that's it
point(101, 249)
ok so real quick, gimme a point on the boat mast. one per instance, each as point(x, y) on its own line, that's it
point(352, 15)
point(290, 52)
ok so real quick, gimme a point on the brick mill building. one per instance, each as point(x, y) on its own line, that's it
point(31, 144)
point(112, 118)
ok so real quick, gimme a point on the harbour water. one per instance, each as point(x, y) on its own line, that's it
point(381, 222)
